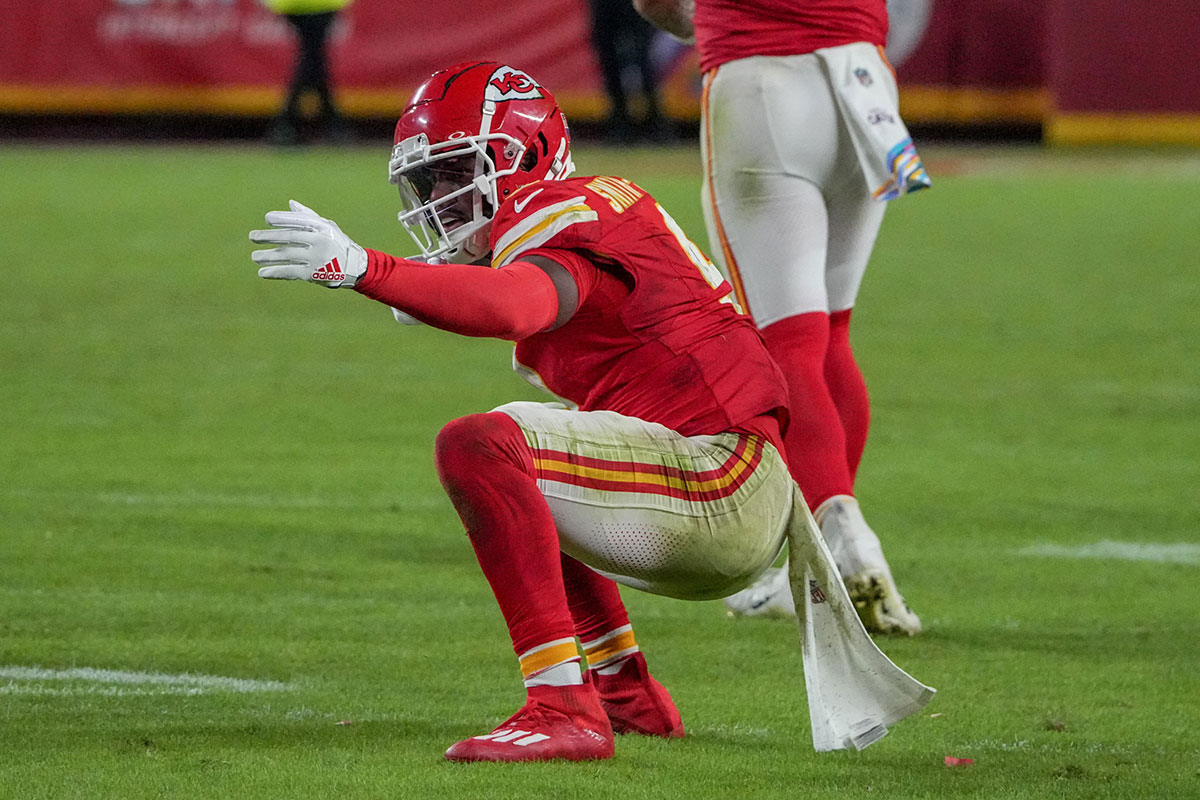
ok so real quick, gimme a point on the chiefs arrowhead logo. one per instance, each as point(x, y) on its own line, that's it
point(507, 83)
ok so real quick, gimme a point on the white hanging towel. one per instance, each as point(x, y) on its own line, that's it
point(866, 96)
point(854, 691)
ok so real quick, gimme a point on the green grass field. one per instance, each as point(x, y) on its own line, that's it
point(209, 475)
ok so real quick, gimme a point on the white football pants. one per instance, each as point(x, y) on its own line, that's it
point(790, 218)
point(695, 518)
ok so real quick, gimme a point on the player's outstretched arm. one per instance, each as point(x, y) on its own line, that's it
point(509, 303)
point(516, 301)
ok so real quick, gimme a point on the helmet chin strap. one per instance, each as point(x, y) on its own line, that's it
point(562, 166)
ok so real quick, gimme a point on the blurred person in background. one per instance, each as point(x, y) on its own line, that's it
point(802, 144)
point(622, 41)
point(313, 22)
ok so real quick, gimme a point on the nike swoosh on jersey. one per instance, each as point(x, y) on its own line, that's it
point(542, 225)
point(519, 205)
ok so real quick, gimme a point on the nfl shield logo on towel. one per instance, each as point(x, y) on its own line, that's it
point(815, 591)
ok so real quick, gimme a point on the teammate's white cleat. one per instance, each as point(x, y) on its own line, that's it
point(859, 557)
point(864, 570)
point(769, 596)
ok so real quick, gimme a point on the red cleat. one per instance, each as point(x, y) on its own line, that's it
point(556, 722)
point(635, 702)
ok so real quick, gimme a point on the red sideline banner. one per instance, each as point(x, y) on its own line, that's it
point(969, 60)
point(235, 56)
point(1091, 70)
point(1124, 74)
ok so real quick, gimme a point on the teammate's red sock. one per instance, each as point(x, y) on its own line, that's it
point(848, 389)
point(815, 440)
point(487, 469)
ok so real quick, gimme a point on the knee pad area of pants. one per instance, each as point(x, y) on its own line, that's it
point(466, 446)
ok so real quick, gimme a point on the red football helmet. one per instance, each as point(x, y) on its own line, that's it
point(472, 135)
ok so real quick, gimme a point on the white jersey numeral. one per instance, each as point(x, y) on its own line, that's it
point(712, 276)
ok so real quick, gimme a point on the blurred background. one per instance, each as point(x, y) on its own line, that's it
point(1058, 71)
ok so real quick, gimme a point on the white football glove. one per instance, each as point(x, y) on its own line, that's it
point(310, 248)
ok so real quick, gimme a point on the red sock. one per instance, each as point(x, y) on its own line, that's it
point(487, 469)
point(595, 600)
point(815, 440)
point(848, 389)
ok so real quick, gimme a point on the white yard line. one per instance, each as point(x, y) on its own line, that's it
point(38, 690)
point(1160, 553)
point(28, 680)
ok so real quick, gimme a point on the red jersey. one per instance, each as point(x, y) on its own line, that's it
point(731, 29)
point(656, 334)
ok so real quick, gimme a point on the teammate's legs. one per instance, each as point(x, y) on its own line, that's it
point(815, 440)
point(848, 390)
point(763, 205)
point(766, 207)
point(854, 221)
point(761, 183)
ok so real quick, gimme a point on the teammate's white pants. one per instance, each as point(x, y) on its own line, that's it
point(690, 517)
point(790, 217)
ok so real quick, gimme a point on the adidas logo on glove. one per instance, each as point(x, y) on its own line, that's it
point(332, 271)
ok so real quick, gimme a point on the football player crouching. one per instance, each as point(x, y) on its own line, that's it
point(665, 472)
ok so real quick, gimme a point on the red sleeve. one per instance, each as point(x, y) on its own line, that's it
point(586, 274)
point(513, 302)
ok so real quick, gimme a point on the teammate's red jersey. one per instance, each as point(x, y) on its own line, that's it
point(656, 334)
point(730, 29)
